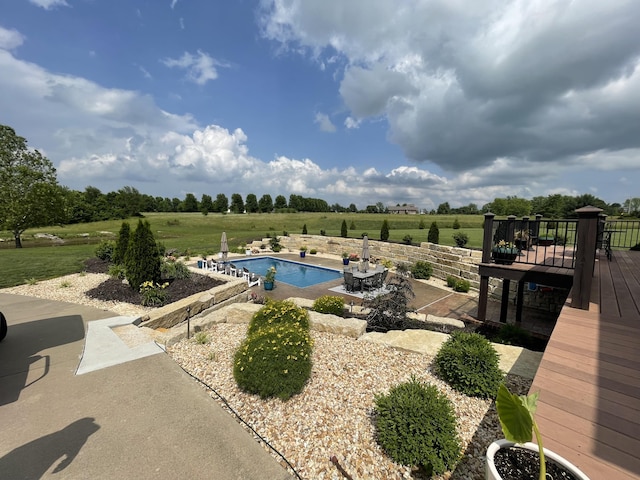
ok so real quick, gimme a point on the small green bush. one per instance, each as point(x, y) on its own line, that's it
point(451, 281)
point(174, 269)
point(469, 363)
point(105, 249)
point(201, 338)
point(329, 304)
point(274, 361)
point(416, 425)
point(117, 271)
point(462, 285)
point(460, 238)
point(275, 312)
point(407, 239)
point(513, 335)
point(422, 270)
point(313, 251)
point(456, 224)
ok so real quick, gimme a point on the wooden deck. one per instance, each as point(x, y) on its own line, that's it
point(589, 377)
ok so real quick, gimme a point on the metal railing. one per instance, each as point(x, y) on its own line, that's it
point(622, 234)
point(538, 241)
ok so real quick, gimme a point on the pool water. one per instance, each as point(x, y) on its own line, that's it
point(293, 273)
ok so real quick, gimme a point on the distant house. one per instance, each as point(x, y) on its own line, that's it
point(409, 209)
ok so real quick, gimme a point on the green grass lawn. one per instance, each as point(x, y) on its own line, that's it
point(197, 234)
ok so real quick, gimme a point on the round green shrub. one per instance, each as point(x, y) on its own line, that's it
point(451, 281)
point(105, 249)
point(329, 304)
point(274, 361)
point(275, 312)
point(462, 285)
point(422, 270)
point(469, 363)
point(416, 425)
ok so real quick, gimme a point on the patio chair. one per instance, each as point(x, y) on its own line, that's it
point(233, 270)
point(350, 282)
point(372, 283)
point(246, 274)
point(254, 280)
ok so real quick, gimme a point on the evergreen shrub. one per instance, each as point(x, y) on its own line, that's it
point(422, 270)
point(384, 231)
point(416, 425)
point(122, 245)
point(469, 363)
point(329, 304)
point(460, 238)
point(117, 271)
point(434, 233)
point(276, 312)
point(104, 250)
point(451, 281)
point(174, 269)
point(274, 361)
point(142, 261)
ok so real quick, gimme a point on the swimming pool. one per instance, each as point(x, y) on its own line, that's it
point(297, 274)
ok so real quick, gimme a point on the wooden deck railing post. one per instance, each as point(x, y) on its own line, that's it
point(585, 256)
point(487, 244)
point(511, 228)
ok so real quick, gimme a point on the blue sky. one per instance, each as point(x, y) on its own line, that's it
point(366, 101)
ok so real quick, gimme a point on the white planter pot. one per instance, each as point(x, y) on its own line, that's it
point(490, 468)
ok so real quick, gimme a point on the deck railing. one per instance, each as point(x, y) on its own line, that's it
point(619, 234)
point(539, 241)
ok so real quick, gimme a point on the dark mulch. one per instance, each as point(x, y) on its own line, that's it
point(114, 289)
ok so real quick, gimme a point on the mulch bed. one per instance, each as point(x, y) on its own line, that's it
point(114, 289)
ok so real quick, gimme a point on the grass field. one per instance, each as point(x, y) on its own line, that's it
point(198, 234)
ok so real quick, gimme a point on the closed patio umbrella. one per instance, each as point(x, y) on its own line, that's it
point(224, 246)
point(365, 253)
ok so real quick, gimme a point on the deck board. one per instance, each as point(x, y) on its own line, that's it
point(589, 377)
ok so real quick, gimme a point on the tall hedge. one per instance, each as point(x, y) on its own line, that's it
point(142, 260)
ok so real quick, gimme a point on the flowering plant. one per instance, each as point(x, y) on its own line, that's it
point(505, 247)
point(353, 257)
point(270, 275)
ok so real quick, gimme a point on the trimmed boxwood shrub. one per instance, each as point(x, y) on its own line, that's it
point(469, 363)
point(329, 304)
point(275, 312)
point(274, 361)
point(416, 425)
point(451, 281)
point(422, 270)
point(462, 285)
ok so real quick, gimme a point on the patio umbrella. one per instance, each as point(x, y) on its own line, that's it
point(224, 246)
point(365, 253)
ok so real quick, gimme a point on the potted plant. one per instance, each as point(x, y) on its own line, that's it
point(516, 414)
point(345, 258)
point(270, 278)
point(303, 251)
point(353, 257)
point(504, 253)
point(522, 239)
point(546, 240)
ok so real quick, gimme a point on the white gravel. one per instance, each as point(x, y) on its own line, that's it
point(332, 416)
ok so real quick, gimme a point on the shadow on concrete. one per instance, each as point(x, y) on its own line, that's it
point(32, 460)
point(24, 349)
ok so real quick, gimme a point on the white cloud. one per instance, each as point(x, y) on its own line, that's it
point(200, 67)
point(173, 3)
point(10, 39)
point(323, 120)
point(50, 4)
point(462, 84)
point(351, 122)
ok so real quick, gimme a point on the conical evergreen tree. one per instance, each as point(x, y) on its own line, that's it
point(434, 233)
point(343, 229)
point(142, 261)
point(384, 231)
point(122, 245)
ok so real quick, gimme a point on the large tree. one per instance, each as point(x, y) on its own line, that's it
point(29, 192)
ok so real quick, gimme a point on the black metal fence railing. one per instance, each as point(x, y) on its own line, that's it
point(537, 241)
point(620, 234)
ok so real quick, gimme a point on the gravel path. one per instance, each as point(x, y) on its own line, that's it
point(332, 416)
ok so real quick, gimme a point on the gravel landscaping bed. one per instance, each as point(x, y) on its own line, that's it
point(333, 414)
